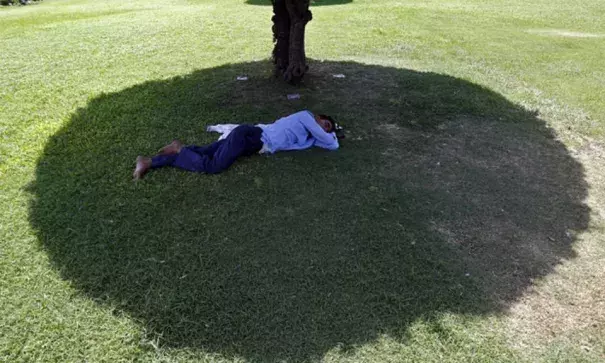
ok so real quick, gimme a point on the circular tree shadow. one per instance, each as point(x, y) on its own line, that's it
point(313, 2)
point(444, 197)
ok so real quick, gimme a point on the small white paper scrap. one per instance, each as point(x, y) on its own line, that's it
point(294, 96)
point(242, 78)
point(339, 75)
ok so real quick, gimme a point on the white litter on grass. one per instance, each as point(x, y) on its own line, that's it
point(242, 78)
point(564, 33)
point(340, 75)
point(294, 96)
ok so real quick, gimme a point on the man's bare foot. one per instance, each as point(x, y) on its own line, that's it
point(143, 165)
point(171, 149)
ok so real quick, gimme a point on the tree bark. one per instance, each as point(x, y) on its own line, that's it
point(289, 21)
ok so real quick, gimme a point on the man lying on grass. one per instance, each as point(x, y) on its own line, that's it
point(299, 131)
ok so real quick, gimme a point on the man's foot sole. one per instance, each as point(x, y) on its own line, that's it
point(143, 165)
point(171, 149)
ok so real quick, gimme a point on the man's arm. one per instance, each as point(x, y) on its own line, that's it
point(322, 139)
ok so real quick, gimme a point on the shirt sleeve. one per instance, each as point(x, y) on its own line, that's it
point(321, 138)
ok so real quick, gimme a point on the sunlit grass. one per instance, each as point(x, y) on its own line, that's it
point(472, 173)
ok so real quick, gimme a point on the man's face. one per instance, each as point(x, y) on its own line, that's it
point(324, 123)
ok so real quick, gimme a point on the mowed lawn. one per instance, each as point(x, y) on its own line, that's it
point(462, 219)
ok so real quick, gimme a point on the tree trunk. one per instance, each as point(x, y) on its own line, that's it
point(289, 21)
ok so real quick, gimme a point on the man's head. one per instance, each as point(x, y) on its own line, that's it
point(326, 122)
point(329, 125)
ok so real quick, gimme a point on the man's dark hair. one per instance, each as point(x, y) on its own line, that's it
point(332, 122)
point(335, 127)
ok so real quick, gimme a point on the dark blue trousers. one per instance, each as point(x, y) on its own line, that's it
point(244, 140)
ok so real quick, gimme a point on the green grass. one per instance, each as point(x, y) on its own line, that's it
point(461, 220)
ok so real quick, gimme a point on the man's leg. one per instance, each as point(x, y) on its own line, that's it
point(176, 146)
point(207, 149)
point(169, 154)
point(244, 140)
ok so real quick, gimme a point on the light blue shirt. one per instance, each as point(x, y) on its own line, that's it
point(296, 132)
